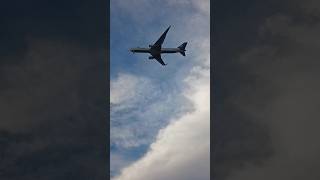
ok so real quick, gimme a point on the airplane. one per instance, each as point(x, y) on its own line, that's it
point(156, 49)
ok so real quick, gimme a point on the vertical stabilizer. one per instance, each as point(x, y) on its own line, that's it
point(182, 47)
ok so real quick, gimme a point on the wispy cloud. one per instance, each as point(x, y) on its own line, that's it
point(129, 89)
point(140, 107)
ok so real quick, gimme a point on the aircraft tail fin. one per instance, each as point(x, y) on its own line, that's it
point(182, 47)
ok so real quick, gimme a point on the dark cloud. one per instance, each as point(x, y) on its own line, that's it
point(52, 99)
point(266, 92)
point(53, 91)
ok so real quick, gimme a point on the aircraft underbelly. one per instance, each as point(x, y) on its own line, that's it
point(154, 52)
point(169, 50)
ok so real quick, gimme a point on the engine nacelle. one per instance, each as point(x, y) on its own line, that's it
point(151, 57)
point(150, 45)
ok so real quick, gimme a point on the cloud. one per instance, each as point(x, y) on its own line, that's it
point(118, 161)
point(129, 89)
point(139, 107)
point(285, 63)
point(201, 6)
point(182, 149)
point(47, 107)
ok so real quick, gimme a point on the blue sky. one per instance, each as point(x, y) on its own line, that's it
point(147, 98)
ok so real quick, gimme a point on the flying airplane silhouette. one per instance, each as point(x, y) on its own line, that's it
point(156, 49)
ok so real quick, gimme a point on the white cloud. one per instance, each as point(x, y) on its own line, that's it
point(117, 161)
point(119, 88)
point(182, 149)
point(139, 107)
point(128, 87)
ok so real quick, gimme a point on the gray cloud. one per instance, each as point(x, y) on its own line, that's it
point(51, 113)
point(281, 97)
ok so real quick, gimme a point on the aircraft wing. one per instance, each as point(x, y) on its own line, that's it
point(161, 39)
point(159, 59)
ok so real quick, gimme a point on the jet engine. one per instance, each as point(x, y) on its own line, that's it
point(151, 57)
point(150, 45)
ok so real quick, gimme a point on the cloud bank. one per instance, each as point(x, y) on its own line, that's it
point(182, 149)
